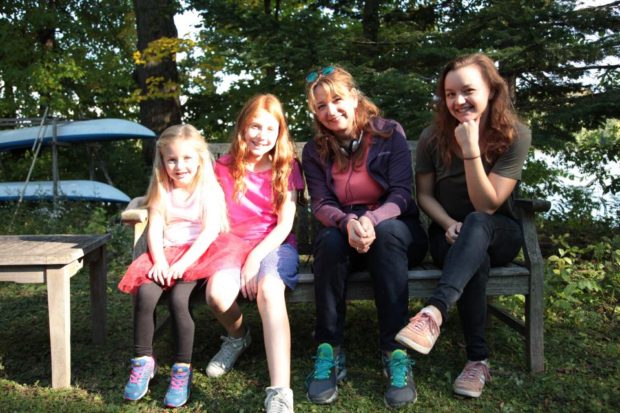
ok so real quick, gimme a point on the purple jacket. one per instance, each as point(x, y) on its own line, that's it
point(389, 163)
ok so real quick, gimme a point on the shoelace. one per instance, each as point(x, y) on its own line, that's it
point(137, 372)
point(398, 371)
point(228, 348)
point(472, 371)
point(277, 403)
point(322, 367)
point(422, 321)
point(179, 379)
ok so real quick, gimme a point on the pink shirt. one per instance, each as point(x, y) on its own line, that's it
point(183, 220)
point(252, 216)
point(356, 186)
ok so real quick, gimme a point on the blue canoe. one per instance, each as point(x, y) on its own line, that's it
point(74, 132)
point(71, 190)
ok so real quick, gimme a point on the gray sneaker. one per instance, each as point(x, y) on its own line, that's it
point(401, 388)
point(229, 352)
point(279, 400)
point(329, 369)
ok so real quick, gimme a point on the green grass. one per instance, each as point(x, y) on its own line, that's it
point(582, 362)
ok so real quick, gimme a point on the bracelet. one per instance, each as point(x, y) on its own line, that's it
point(472, 158)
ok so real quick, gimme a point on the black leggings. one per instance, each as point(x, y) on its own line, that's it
point(144, 322)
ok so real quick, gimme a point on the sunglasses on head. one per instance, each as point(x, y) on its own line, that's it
point(314, 75)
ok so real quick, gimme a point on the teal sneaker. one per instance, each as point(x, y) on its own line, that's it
point(142, 371)
point(329, 369)
point(179, 389)
point(401, 389)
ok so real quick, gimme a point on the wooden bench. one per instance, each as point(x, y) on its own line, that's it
point(521, 277)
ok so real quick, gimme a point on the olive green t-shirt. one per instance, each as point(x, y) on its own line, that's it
point(450, 184)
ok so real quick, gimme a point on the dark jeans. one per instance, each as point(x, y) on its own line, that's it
point(183, 325)
point(399, 244)
point(484, 241)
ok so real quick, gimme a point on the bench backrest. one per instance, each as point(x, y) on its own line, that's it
point(305, 226)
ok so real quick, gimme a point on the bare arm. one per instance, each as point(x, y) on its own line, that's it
point(155, 239)
point(486, 192)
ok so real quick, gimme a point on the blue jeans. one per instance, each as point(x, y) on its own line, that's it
point(399, 244)
point(484, 241)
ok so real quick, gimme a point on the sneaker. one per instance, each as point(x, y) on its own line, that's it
point(179, 388)
point(472, 379)
point(329, 370)
point(279, 400)
point(229, 352)
point(401, 390)
point(142, 371)
point(420, 334)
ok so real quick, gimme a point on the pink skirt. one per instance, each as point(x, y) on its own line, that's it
point(226, 252)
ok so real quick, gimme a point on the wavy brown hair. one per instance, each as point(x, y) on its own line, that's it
point(340, 83)
point(282, 154)
point(501, 121)
point(204, 182)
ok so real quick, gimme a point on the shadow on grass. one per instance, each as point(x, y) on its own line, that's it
point(582, 370)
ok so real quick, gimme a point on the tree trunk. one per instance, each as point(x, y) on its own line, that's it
point(154, 20)
point(370, 20)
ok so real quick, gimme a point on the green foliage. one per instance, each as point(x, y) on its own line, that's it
point(584, 279)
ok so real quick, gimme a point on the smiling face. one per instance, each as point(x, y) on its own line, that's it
point(261, 135)
point(467, 94)
point(336, 112)
point(181, 162)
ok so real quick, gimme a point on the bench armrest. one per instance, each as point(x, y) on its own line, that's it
point(533, 205)
point(136, 216)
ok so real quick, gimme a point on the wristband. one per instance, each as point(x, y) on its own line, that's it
point(472, 158)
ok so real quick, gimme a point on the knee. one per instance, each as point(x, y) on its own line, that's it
point(394, 233)
point(477, 219)
point(270, 292)
point(220, 296)
point(330, 240)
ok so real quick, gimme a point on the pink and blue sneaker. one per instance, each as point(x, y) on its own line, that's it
point(142, 371)
point(179, 389)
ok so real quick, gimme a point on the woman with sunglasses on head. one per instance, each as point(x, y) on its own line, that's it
point(359, 176)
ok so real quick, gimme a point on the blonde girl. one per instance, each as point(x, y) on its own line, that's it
point(187, 242)
point(261, 178)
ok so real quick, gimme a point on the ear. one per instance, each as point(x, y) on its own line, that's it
point(491, 94)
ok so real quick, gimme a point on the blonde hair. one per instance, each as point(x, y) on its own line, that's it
point(210, 193)
point(282, 154)
point(339, 82)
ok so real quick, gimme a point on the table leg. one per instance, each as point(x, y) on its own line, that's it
point(98, 293)
point(58, 303)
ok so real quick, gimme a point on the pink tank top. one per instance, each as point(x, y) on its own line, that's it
point(183, 219)
point(356, 186)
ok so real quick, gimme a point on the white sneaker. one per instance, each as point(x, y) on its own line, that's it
point(229, 352)
point(279, 400)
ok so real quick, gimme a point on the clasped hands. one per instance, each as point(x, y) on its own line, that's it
point(162, 273)
point(361, 234)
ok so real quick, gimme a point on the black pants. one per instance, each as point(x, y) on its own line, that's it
point(484, 241)
point(183, 325)
point(399, 244)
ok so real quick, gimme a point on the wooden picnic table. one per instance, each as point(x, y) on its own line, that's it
point(53, 260)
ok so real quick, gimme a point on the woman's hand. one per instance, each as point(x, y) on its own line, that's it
point(249, 277)
point(361, 234)
point(467, 136)
point(452, 233)
point(158, 272)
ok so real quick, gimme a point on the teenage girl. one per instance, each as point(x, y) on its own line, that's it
point(468, 165)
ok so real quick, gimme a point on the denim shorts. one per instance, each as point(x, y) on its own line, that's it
point(282, 262)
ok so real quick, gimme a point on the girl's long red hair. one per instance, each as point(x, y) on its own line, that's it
point(282, 155)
